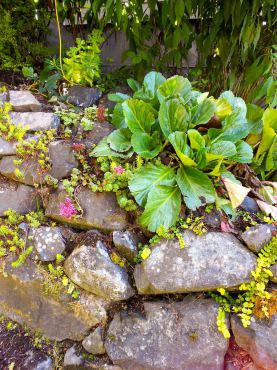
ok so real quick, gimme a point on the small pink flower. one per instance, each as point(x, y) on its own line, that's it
point(119, 170)
point(67, 209)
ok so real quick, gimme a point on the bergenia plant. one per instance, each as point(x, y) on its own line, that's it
point(200, 135)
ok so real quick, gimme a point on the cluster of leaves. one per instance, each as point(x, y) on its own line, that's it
point(9, 131)
point(254, 291)
point(23, 28)
point(12, 240)
point(82, 62)
point(235, 40)
point(199, 134)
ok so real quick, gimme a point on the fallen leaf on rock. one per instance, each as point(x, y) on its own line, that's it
point(267, 209)
point(236, 192)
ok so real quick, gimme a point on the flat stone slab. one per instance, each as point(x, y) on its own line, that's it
point(214, 260)
point(62, 160)
point(35, 121)
point(126, 242)
point(19, 197)
point(23, 299)
point(24, 101)
point(168, 336)
point(100, 210)
point(91, 268)
point(9, 147)
point(259, 340)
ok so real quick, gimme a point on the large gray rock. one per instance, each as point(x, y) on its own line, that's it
point(24, 101)
point(93, 343)
point(98, 132)
point(47, 242)
point(36, 121)
point(100, 210)
point(256, 237)
point(72, 359)
point(259, 340)
point(168, 336)
point(126, 242)
point(83, 96)
point(214, 260)
point(21, 198)
point(92, 269)
point(62, 162)
point(23, 299)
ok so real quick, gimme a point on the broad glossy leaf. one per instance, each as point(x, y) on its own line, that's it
point(196, 139)
point(221, 149)
point(173, 116)
point(237, 104)
point(145, 145)
point(244, 153)
point(138, 116)
point(202, 113)
point(152, 81)
point(147, 178)
point(118, 119)
point(120, 140)
point(271, 159)
point(178, 140)
point(134, 85)
point(103, 150)
point(234, 129)
point(194, 185)
point(173, 87)
point(162, 208)
point(223, 108)
point(269, 130)
point(236, 192)
point(118, 97)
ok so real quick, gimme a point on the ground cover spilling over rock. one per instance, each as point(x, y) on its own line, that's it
point(80, 265)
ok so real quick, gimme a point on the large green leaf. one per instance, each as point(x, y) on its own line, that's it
point(244, 153)
point(145, 145)
point(152, 81)
point(269, 130)
point(196, 139)
point(202, 113)
point(147, 178)
point(271, 159)
point(138, 116)
point(179, 141)
point(234, 129)
point(221, 149)
point(238, 104)
point(194, 185)
point(223, 108)
point(103, 150)
point(173, 116)
point(162, 208)
point(118, 97)
point(120, 140)
point(118, 119)
point(173, 87)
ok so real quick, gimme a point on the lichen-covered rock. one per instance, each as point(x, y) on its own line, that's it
point(126, 242)
point(274, 272)
point(256, 237)
point(259, 340)
point(168, 336)
point(93, 343)
point(24, 101)
point(47, 242)
point(214, 260)
point(100, 210)
point(72, 359)
point(23, 299)
point(21, 198)
point(83, 96)
point(35, 121)
point(62, 162)
point(92, 269)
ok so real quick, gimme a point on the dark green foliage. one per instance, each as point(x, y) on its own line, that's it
point(23, 27)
